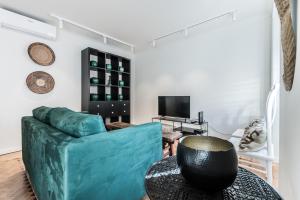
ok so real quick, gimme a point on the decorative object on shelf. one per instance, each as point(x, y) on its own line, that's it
point(94, 97)
point(117, 125)
point(121, 97)
point(40, 82)
point(209, 163)
point(121, 83)
point(170, 140)
point(108, 80)
point(93, 63)
point(95, 80)
point(41, 54)
point(288, 40)
point(108, 97)
point(108, 66)
point(121, 69)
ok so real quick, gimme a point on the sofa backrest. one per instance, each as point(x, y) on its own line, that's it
point(112, 166)
point(72, 123)
point(108, 166)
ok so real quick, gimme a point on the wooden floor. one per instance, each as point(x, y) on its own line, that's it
point(13, 181)
point(15, 186)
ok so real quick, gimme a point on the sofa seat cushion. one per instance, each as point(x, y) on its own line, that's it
point(74, 123)
point(41, 114)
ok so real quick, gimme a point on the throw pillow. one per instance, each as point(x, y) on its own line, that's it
point(254, 137)
point(74, 123)
point(41, 114)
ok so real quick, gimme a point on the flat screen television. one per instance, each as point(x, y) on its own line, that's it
point(174, 106)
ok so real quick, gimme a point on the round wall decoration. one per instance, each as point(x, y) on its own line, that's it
point(40, 82)
point(41, 54)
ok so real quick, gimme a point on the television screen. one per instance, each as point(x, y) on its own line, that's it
point(174, 106)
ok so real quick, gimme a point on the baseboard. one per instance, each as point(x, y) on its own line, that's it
point(10, 150)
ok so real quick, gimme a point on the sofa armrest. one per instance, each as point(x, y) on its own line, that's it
point(112, 165)
point(43, 152)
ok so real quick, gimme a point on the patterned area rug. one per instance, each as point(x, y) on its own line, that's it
point(165, 182)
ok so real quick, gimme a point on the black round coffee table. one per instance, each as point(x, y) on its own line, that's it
point(165, 182)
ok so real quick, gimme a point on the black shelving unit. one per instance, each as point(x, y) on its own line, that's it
point(94, 96)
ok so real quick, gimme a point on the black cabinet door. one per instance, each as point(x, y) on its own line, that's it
point(124, 107)
point(112, 108)
point(97, 108)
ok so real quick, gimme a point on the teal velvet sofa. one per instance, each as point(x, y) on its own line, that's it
point(71, 156)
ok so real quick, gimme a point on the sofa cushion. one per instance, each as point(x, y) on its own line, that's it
point(74, 123)
point(41, 114)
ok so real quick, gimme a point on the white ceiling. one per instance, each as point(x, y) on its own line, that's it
point(136, 21)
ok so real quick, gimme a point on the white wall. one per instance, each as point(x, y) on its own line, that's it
point(17, 100)
point(289, 169)
point(224, 66)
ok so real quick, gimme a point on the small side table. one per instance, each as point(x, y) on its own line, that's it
point(171, 138)
point(165, 182)
point(117, 125)
point(201, 130)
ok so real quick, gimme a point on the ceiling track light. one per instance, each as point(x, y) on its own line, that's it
point(154, 43)
point(132, 49)
point(60, 24)
point(62, 20)
point(234, 17)
point(185, 30)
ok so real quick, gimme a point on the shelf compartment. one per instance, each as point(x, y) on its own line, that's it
point(114, 78)
point(114, 61)
point(97, 56)
point(126, 65)
point(114, 92)
point(101, 60)
point(101, 81)
point(126, 79)
point(101, 97)
point(126, 93)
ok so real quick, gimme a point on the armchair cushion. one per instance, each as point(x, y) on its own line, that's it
point(76, 124)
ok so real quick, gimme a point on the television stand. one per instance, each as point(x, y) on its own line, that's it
point(185, 126)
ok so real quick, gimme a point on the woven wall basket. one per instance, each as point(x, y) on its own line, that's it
point(40, 82)
point(41, 54)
